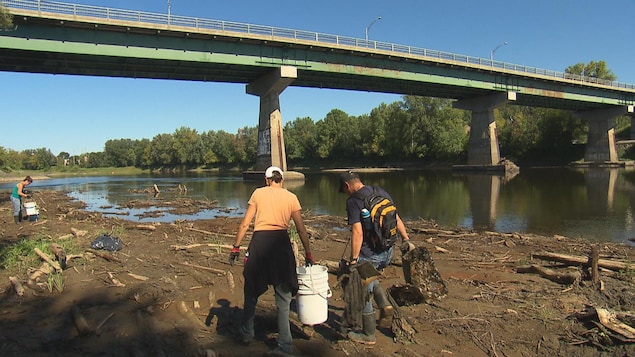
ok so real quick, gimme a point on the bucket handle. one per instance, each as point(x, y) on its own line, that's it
point(329, 293)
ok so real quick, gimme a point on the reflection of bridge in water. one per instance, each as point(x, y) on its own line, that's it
point(601, 186)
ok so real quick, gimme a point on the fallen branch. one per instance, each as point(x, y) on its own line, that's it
point(217, 271)
point(138, 277)
point(17, 285)
point(78, 233)
point(115, 281)
point(108, 257)
point(332, 266)
point(186, 312)
point(44, 269)
point(558, 277)
point(146, 227)
point(583, 261)
point(210, 233)
point(48, 259)
point(98, 328)
point(190, 246)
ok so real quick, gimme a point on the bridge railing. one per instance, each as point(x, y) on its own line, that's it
point(237, 27)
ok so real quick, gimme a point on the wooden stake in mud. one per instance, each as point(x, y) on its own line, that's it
point(80, 321)
point(594, 262)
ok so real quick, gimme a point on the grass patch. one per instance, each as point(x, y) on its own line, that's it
point(55, 281)
point(21, 255)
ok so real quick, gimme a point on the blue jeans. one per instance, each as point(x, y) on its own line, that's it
point(17, 205)
point(283, 302)
point(379, 261)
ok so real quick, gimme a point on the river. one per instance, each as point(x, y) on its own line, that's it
point(594, 204)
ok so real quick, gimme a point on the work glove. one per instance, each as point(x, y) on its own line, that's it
point(352, 266)
point(406, 246)
point(233, 256)
point(309, 260)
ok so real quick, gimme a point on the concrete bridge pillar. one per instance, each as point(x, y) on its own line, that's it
point(483, 147)
point(600, 145)
point(268, 87)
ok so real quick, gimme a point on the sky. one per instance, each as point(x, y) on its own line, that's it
point(78, 114)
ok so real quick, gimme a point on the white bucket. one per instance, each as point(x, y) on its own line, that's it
point(30, 208)
point(312, 294)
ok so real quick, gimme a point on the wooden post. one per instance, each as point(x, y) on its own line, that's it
point(594, 261)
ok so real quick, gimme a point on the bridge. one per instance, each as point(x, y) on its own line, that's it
point(63, 38)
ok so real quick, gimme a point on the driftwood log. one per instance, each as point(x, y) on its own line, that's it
point(17, 285)
point(80, 321)
point(60, 254)
point(44, 269)
point(78, 232)
point(146, 227)
point(186, 312)
point(48, 259)
point(332, 266)
point(553, 275)
point(583, 261)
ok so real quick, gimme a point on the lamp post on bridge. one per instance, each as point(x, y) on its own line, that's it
point(371, 25)
point(168, 12)
point(491, 54)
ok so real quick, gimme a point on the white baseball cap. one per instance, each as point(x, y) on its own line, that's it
point(271, 169)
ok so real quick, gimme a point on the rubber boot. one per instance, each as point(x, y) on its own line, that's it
point(20, 218)
point(367, 336)
point(17, 219)
point(385, 308)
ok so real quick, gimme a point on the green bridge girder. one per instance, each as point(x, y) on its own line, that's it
point(66, 44)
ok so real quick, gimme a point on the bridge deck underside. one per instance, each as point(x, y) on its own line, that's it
point(41, 45)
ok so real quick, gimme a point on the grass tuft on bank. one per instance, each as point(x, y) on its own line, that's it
point(21, 256)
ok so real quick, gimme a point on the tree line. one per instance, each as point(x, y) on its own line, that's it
point(414, 131)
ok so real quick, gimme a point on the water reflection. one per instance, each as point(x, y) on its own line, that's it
point(595, 204)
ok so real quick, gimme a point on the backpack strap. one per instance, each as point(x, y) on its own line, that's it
point(359, 195)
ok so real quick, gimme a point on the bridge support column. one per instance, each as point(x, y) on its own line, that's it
point(600, 147)
point(271, 150)
point(483, 147)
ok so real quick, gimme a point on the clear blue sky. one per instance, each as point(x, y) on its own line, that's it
point(79, 114)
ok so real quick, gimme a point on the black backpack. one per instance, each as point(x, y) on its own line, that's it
point(383, 214)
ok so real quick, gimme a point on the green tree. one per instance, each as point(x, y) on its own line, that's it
point(595, 69)
point(427, 128)
point(6, 19)
point(373, 130)
point(245, 145)
point(160, 152)
point(120, 152)
point(38, 159)
point(95, 159)
point(209, 156)
point(187, 146)
point(300, 139)
point(223, 148)
point(338, 136)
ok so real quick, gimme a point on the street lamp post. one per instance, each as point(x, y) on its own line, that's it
point(491, 54)
point(370, 25)
point(168, 12)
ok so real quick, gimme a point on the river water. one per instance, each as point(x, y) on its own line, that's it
point(595, 204)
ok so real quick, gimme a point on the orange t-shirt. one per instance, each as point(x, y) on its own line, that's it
point(273, 208)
